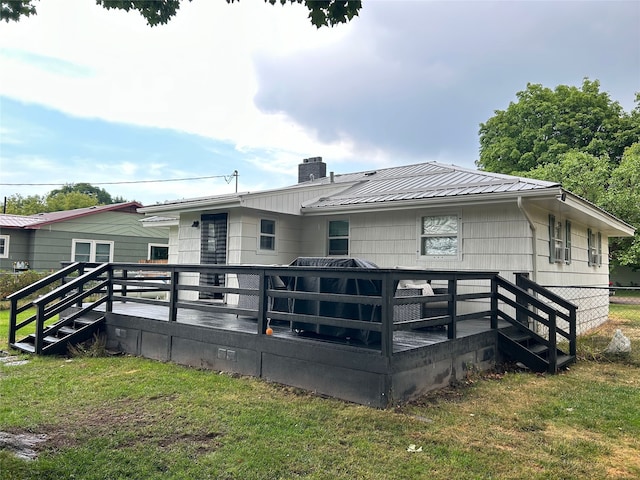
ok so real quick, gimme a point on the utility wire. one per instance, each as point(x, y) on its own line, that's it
point(227, 178)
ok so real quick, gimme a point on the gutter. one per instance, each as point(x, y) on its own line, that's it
point(534, 239)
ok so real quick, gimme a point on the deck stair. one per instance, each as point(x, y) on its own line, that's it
point(65, 332)
point(523, 345)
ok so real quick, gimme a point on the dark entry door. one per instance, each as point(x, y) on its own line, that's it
point(213, 250)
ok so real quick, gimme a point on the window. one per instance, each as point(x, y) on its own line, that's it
point(94, 251)
point(567, 242)
point(158, 252)
point(4, 246)
point(559, 241)
point(594, 248)
point(267, 235)
point(439, 235)
point(556, 247)
point(339, 237)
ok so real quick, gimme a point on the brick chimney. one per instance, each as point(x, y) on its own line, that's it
point(311, 169)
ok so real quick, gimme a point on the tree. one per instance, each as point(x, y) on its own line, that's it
point(68, 197)
point(578, 172)
point(158, 12)
point(30, 205)
point(545, 124)
point(69, 201)
point(622, 199)
point(103, 197)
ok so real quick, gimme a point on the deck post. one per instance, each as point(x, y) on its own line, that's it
point(453, 308)
point(553, 343)
point(573, 332)
point(262, 302)
point(109, 306)
point(522, 299)
point(494, 302)
point(173, 295)
point(386, 317)
point(123, 287)
point(13, 320)
point(40, 316)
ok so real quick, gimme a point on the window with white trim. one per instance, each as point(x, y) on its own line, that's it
point(93, 251)
point(267, 235)
point(567, 242)
point(439, 235)
point(158, 252)
point(559, 241)
point(4, 246)
point(594, 248)
point(338, 241)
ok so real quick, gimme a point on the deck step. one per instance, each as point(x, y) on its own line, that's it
point(564, 360)
point(85, 321)
point(67, 330)
point(50, 339)
point(519, 336)
point(25, 347)
point(538, 349)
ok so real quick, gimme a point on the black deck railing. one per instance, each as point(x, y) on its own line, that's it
point(369, 303)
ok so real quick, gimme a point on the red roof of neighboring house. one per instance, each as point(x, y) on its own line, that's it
point(40, 219)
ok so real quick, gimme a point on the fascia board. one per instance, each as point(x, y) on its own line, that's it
point(600, 216)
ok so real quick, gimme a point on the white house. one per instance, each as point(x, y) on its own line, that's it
point(427, 215)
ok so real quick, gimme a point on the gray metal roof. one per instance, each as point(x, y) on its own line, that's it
point(422, 181)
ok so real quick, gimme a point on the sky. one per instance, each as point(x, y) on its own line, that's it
point(97, 96)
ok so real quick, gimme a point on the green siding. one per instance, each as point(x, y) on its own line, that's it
point(50, 245)
point(19, 250)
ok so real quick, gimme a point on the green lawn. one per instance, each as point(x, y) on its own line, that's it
point(122, 417)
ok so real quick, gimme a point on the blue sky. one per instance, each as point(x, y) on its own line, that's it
point(97, 96)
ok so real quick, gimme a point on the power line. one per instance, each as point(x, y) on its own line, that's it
point(227, 178)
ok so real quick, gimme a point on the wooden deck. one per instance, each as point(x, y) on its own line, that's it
point(384, 338)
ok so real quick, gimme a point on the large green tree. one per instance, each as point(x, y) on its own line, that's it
point(103, 197)
point(68, 197)
point(544, 124)
point(578, 137)
point(157, 12)
point(622, 199)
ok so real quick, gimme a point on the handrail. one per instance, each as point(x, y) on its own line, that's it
point(522, 304)
point(16, 297)
point(44, 312)
point(178, 292)
point(572, 308)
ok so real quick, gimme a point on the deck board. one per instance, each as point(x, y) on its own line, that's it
point(402, 340)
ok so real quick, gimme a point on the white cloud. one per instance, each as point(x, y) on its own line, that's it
point(194, 74)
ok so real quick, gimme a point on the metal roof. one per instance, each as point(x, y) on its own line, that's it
point(40, 219)
point(423, 181)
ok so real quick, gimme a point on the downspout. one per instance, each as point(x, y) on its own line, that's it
point(534, 240)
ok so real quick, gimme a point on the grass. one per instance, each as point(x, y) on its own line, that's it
point(126, 417)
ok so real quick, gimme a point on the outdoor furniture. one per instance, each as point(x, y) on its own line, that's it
point(341, 284)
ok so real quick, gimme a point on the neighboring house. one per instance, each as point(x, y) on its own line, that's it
point(104, 233)
point(429, 215)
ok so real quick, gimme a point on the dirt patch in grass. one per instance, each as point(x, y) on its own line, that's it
point(134, 420)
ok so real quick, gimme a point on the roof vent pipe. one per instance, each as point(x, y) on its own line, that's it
point(331, 177)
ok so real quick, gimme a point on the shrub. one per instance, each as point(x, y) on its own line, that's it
point(12, 282)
